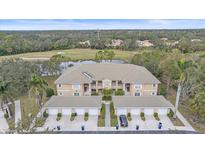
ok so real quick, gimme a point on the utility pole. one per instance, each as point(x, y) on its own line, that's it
point(177, 100)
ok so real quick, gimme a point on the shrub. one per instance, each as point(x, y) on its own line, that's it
point(162, 90)
point(73, 115)
point(86, 116)
point(45, 114)
point(142, 116)
point(6, 115)
point(49, 92)
point(119, 92)
point(59, 115)
point(170, 114)
point(129, 117)
point(94, 94)
point(40, 121)
point(107, 92)
point(156, 116)
point(107, 98)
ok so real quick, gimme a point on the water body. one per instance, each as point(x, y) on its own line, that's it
point(65, 65)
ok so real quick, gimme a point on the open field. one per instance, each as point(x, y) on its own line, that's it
point(74, 54)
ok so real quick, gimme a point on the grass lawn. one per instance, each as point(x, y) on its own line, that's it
point(29, 109)
point(176, 121)
point(101, 117)
point(113, 116)
point(185, 111)
point(74, 54)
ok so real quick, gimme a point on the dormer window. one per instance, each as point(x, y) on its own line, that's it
point(59, 85)
point(154, 85)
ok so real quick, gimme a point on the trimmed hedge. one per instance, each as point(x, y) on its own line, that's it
point(119, 92)
point(86, 116)
point(107, 98)
point(156, 116)
point(170, 114)
point(129, 117)
point(59, 115)
point(142, 116)
point(45, 114)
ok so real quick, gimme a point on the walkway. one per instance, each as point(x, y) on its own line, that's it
point(187, 126)
point(17, 112)
point(3, 123)
point(107, 114)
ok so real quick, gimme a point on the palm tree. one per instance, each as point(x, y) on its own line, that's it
point(5, 96)
point(182, 65)
point(37, 86)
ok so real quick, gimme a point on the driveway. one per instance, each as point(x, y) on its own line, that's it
point(149, 124)
point(3, 123)
point(67, 125)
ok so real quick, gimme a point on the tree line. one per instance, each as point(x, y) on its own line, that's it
point(33, 41)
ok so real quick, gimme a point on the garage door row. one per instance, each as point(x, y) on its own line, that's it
point(137, 111)
point(79, 111)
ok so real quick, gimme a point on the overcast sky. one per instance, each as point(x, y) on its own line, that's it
point(87, 24)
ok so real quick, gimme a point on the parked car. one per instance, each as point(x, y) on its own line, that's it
point(123, 121)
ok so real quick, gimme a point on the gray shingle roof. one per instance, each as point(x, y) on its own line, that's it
point(74, 101)
point(141, 101)
point(126, 72)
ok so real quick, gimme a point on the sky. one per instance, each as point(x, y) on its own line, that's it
point(89, 24)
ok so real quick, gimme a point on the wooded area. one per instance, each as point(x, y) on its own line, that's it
point(15, 42)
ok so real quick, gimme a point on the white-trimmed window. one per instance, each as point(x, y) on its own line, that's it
point(154, 85)
point(60, 94)
point(137, 94)
point(76, 94)
point(153, 93)
point(59, 85)
point(76, 86)
point(138, 86)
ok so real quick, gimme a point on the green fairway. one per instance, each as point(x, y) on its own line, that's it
point(74, 54)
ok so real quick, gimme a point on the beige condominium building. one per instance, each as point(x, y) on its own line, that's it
point(84, 80)
point(77, 84)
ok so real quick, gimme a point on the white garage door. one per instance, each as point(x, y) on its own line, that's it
point(93, 111)
point(80, 111)
point(162, 111)
point(148, 111)
point(52, 111)
point(122, 111)
point(135, 111)
point(66, 111)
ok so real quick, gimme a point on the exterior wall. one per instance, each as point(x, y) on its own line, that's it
point(67, 90)
point(145, 90)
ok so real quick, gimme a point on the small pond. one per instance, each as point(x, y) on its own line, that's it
point(66, 65)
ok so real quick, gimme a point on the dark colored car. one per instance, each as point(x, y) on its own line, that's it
point(123, 121)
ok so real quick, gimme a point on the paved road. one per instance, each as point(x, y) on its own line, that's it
point(107, 114)
point(120, 132)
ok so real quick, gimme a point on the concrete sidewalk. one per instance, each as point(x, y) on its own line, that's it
point(107, 114)
point(3, 123)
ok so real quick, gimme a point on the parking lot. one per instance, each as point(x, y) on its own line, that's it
point(75, 125)
point(149, 124)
